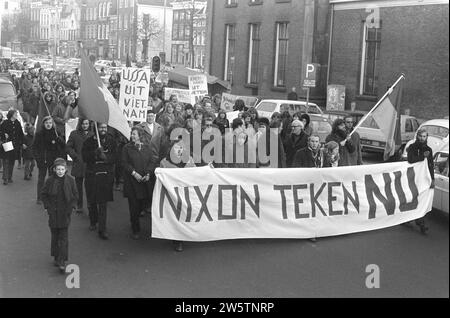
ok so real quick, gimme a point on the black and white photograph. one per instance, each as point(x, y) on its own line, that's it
point(221, 156)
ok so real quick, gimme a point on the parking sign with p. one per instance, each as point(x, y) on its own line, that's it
point(310, 75)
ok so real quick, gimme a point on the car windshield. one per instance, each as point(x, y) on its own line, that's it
point(436, 131)
point(441, 164)
point(321, 126)
point(6, 90)
point(266, 107)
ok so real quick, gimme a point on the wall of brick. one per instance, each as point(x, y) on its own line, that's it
point(270, 12)
point(414, 41)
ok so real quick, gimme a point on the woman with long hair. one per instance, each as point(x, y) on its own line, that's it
point(47, 147)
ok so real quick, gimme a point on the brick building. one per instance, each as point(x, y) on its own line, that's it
point(262, 46)
point(371, 48)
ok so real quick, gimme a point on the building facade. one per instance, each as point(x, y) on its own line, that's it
point(95, 25)
point(189, 34)
point(374, 42)
point(262, 47)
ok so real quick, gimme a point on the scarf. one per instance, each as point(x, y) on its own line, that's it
point(57, 182)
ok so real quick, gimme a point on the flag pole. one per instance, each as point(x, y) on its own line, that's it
point(389, 91)
point(96, 133)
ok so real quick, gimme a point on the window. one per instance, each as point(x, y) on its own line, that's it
point(125, 22)
point(441, 164)
point(266, 107)
point(436, 131)
point(370, 58)
point(230, 44)
point(255, 2)
point(253, 54)
point(120, 3)
point(230, 3)
point(408, 126)
point(281, 54)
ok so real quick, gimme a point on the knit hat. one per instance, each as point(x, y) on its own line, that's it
point(60, 162)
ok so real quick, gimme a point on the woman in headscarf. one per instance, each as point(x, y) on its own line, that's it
point(306, 121)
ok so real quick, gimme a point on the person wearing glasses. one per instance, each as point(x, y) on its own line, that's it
point(295, 141)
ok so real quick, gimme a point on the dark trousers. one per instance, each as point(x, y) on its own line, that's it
point(97, 215)
point(8, 167)
point(79, 182)
point(29, 166)
point(41, 179)
point(118, 173)
point(136, 206)
point(60, 244)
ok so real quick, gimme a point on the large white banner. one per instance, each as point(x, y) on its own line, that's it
point(205, 204)
point(134, 88)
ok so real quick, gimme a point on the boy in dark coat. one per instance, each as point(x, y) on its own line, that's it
point(59, 196)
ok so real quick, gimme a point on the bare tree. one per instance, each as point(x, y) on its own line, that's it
point(192, 9)
point(148, 29)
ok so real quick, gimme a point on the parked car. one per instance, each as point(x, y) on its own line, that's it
point(357, 115)
point(267, 107)
point(373, 140)
point(437, 135)
point(321, 126)
point(8, 95)
point(440, 200)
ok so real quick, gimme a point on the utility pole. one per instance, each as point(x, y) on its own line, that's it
point(164, 28)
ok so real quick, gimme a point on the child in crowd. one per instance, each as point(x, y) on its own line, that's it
point(27, 153)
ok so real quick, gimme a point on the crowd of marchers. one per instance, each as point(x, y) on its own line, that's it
point(102, 159)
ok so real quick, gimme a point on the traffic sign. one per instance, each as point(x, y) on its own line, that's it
point(310, 75)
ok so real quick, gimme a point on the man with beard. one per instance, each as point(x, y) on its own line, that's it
point(355, 158)
point(295, 141)
point(99, 176)
point(420, 151)
point(341, 137)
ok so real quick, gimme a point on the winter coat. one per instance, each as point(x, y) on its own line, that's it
point(355, 158)
point(73, 148)
point(15, 134)
point(344, 151)
point(159, 144)
point(59, 196)
point(27, 153)
point(416, 153)
point(99, 172)
point(140, 161)
point(292, 144)
point(148, 135)
point(47, 147)
point(304, 159)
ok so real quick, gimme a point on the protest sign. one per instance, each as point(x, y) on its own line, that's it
point(183, 95)
point(198, 85)
point(134, 88)
point(228, 101)
point(17, 73)
point(205, 204)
